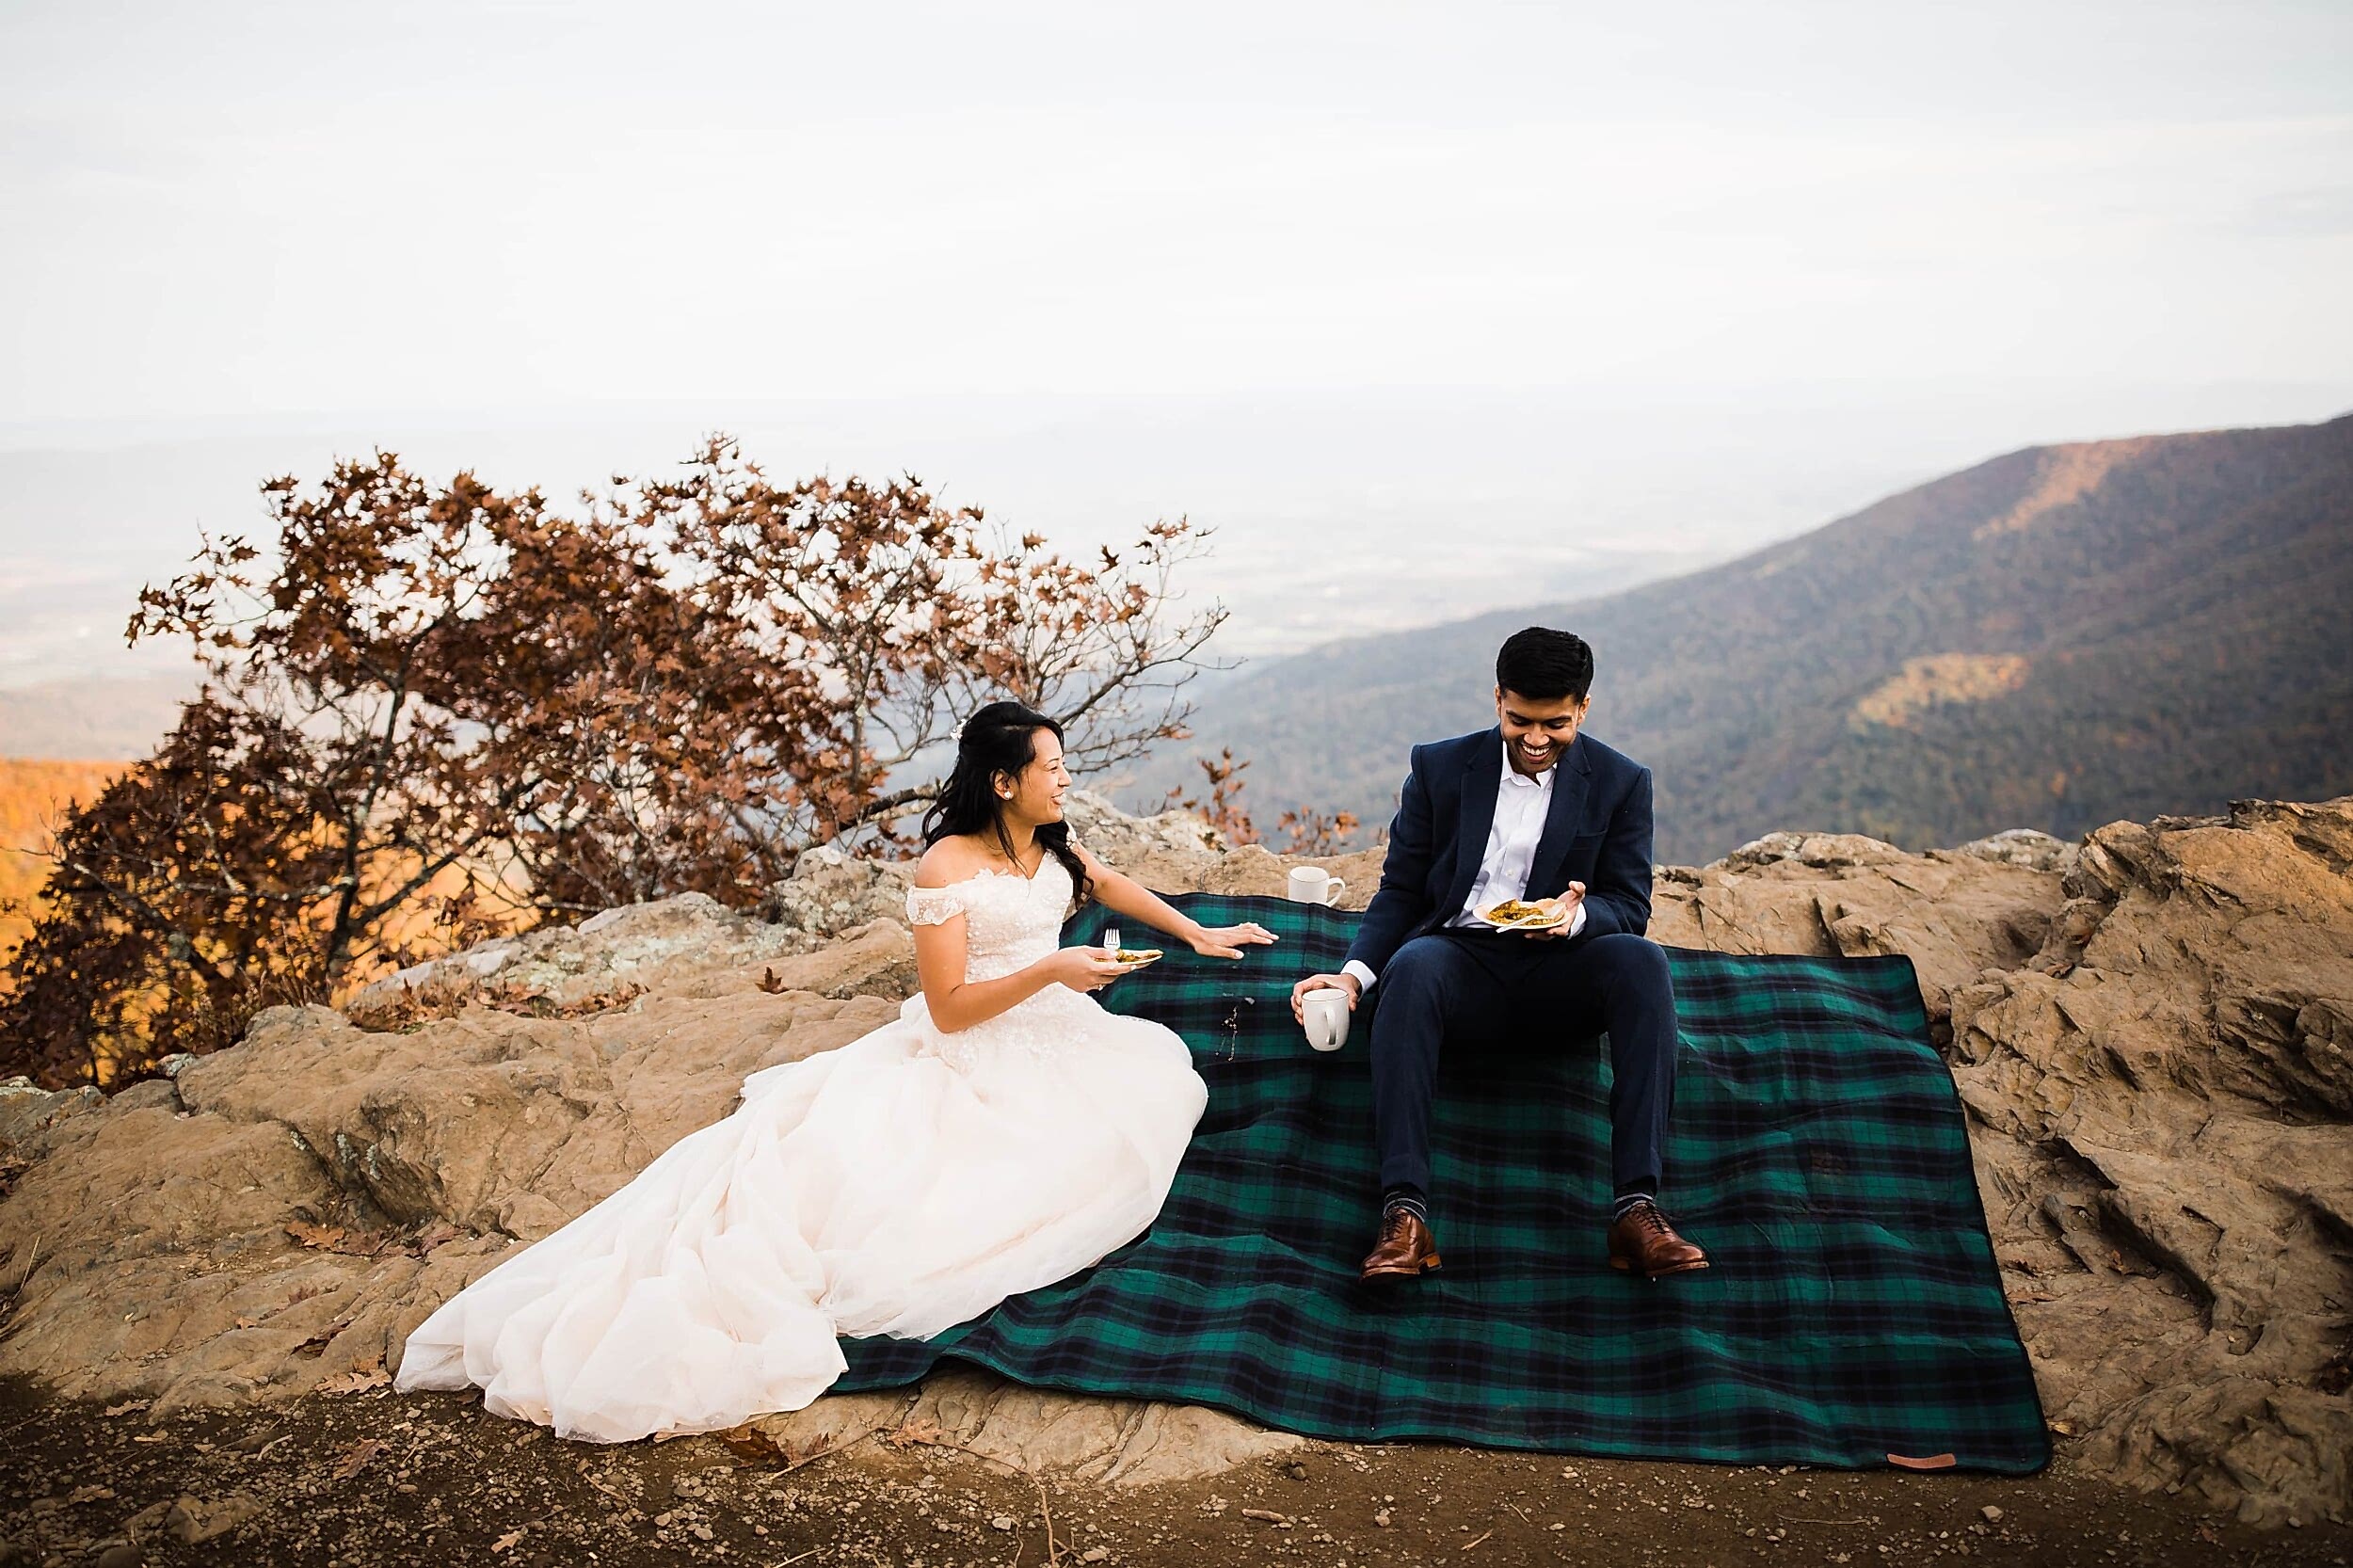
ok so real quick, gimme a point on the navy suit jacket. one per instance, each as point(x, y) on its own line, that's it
point(1597, 831)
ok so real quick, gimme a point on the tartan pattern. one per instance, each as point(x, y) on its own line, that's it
point(1818, 1151)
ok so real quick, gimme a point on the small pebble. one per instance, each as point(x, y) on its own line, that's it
point(1992, 1512)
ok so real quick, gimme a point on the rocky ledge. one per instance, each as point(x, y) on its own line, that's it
point(2151, 1030)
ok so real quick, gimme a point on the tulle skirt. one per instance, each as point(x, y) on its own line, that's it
point(899, 1185)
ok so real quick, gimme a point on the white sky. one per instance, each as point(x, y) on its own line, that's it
point(227, 209)
point(1683, 277)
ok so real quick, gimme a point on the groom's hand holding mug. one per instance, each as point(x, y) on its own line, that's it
point(1322, 982)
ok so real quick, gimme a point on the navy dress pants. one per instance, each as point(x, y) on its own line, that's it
point(1492, 986)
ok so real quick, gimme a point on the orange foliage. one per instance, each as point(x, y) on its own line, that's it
point(34, 794)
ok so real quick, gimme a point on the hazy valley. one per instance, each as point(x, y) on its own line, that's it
point(2054, 638)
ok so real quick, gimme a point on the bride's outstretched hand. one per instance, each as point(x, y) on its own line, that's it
point(1227, 941)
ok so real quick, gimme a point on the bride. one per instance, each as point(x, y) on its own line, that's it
point(1003, 1133)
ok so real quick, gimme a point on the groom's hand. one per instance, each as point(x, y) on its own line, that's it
point(1319, 983)
point(1567, 903)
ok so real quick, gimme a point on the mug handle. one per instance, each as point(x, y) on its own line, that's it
point(1332, 896)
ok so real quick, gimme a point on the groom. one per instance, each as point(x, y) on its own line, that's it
point(1531, 810)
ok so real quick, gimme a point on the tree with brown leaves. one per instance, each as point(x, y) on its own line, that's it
point(1222, 808)
point(441, 711)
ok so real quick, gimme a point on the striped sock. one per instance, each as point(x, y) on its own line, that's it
point(1627, 1199)
point(1410, 1198)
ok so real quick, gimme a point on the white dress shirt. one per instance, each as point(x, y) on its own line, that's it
point(1521, 804)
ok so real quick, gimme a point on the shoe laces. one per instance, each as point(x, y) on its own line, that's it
point(1393, 1222)
point(1646, 1216)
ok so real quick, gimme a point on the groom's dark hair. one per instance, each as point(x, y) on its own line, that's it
point(1545, 665)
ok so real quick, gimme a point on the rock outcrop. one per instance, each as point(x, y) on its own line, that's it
point(2151, 1031)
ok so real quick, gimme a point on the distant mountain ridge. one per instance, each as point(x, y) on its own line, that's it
point(2054, 638)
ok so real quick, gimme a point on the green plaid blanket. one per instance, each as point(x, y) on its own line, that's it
point(1853, 1311)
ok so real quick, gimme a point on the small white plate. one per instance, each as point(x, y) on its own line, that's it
point(1556, 915)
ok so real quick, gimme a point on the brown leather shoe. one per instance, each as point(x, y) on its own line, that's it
point(1644, 1243)
point(1406, 1251)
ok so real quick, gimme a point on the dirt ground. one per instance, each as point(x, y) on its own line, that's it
point(378, 1478)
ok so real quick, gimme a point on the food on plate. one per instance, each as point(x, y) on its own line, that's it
point(1138, 955)
point(1512, 914)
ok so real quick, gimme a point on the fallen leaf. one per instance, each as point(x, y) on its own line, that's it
point(248, 1322)
point(127, 1406)
point(913, 1433)
point(341, 1239)
point(1266, 1515)
point(368, 1374)
point(749, 1443)
point(357, 1459)
point(508, 1541)
point(768, 982)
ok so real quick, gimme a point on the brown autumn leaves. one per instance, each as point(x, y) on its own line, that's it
point(437, 712)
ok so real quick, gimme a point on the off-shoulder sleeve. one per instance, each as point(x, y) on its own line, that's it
point(934, 906)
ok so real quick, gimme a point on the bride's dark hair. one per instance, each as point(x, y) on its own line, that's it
point(1002, 738)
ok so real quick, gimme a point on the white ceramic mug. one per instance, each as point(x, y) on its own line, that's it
point(1314, 885)
point(1325, 1012)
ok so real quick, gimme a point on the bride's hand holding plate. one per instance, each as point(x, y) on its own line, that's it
point(1082, 968)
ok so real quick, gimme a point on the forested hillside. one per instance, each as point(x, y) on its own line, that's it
point(2054, 638)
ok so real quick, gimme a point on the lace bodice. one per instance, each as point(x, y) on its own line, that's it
point(1010, 921)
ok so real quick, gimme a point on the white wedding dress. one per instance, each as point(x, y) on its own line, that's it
point(899, 1185)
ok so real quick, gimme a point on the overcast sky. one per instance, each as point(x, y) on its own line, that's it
point(1909, 235)
point(227, 208)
